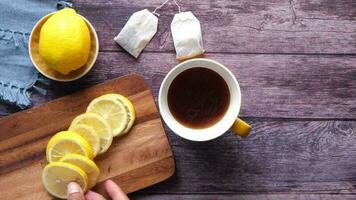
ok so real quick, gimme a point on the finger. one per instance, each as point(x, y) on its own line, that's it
point(74, 192)
point(90, 195)
point(115, 191)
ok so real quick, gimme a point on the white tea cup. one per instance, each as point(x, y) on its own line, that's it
point(230, 118)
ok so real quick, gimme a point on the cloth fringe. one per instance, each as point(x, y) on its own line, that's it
point(15, 95)
point(12, 93)
point(19, 96)
point(15, 37)
point(9, 92)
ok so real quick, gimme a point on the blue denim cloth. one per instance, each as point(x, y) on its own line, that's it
point(17, 74)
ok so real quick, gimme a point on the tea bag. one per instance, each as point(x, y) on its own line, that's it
point(187, 36)
point(137, 32)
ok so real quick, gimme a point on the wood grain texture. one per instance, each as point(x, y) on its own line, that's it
point(139, 159)
point(272, 26)
point(245, 197)
point(286, 86)
point(295, 62)
point(282, 155)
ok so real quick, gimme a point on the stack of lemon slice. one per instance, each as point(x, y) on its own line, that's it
point(70, 153)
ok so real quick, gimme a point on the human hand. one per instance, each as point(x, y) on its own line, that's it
point(75, 192)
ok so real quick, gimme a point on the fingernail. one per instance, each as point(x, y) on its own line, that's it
point(73, 188)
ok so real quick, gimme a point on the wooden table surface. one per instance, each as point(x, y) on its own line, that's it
point(296, 63)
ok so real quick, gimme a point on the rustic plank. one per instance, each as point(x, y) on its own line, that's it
point(306, 86)
point(139, 159)
point(279, 156)
point(273, 26)
point(244, 196)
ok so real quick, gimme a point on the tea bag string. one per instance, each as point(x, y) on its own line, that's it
point(164, 3)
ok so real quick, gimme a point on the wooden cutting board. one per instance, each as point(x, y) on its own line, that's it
point(139, 159)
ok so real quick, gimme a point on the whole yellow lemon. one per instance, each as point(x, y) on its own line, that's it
point(65, 41)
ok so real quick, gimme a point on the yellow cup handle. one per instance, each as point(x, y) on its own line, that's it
point(241, 128)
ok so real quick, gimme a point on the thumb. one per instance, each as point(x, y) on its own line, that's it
point(74, 191)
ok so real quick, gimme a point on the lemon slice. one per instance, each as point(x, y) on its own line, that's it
point(130, 110)
point(87, 165)
point(100, 126)
point(89, 134)
point(66, 142)
point(112, 110)
point(57, 175)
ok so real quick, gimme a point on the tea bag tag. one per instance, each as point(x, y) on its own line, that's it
point(187, 36)
point(137, 32)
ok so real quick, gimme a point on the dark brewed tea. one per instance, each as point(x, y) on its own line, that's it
point(198, 97)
